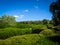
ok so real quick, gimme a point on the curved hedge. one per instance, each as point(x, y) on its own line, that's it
point(9, 32)
point(47, 32)
point(31, 39)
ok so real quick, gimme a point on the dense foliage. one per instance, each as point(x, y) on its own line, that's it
point(41, 32)
point(9, 32)
point(55, 9)
point(7, 21)
point(26, 32)
point(31, 39)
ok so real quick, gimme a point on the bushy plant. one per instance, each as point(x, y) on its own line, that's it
point(9, 32)
point(47, 32)
point(30, 39)
point(49, 26)
point(39, 26)
point(23, 25)
point(7, 21)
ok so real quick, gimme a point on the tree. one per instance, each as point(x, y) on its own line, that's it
point(7, 21)
point(55, 10)
point(45, 21)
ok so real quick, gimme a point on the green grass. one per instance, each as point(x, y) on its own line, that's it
point(30, 39)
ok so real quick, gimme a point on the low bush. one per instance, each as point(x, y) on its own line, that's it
point(47, 32)
point(30, 39)
point(49, 26)
point(9, 32)
point(23, 26)
point(39, 27)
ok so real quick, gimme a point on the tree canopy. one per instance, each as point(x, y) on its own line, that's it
point(55, 10)
point(7, 21)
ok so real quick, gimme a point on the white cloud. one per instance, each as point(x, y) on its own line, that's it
point(26, 10)
point(16, 16)
point(20, 16)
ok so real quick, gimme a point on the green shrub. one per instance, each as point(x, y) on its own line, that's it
point(49, 26)
point(30, 39)
point(22, 40)
point(39, 27)
point(23, 26)
point(47, 32)
point(1, 42)
point(9, 32)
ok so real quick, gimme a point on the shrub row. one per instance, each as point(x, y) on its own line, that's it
point(31, 39)
point(47, 32)
point(9, 32)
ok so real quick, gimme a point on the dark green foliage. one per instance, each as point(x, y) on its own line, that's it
point(46, 41)
point(31, 22)
point(36, 31)
point(45, 21)
point(38, 28)
point(50, 26)
point(54, 38)
point(55, 9)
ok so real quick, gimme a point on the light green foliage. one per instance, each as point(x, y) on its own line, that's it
point(47, 32)
point(9, 32)
point(39, 26)
point(30, 39)
point(23, 25)
point(7, 21)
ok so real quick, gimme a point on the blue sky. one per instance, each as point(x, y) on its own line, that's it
point(24, 10)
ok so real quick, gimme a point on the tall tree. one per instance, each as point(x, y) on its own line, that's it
point(55, 10)
point(45, 21)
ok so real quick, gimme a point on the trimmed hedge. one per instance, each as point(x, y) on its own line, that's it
point(31, 39)
point(9, 32)
point(23, 26)
point(47, 32)
point(24, 29)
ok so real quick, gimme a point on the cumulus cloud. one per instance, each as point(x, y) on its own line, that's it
point(18, 16)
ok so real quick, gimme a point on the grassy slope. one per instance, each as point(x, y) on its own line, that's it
point(30, 39)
